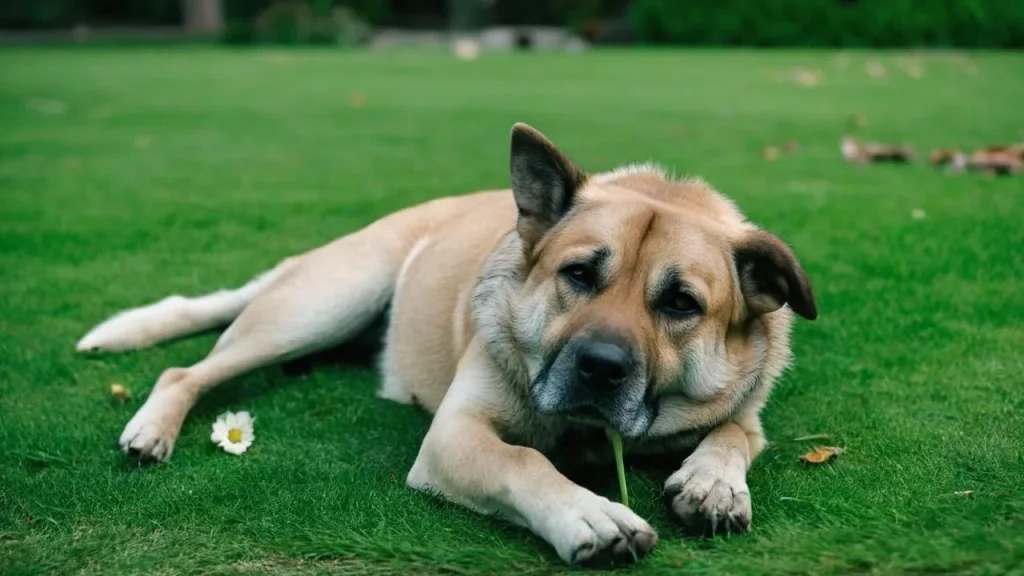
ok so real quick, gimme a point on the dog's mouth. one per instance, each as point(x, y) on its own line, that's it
point(587, 416)
point(625, 411)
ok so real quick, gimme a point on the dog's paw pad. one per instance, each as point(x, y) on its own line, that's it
point(146, 443)
point(706, 502)
point(145, 438)
point(602, 532)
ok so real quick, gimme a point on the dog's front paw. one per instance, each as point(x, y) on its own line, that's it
point(149, 436)
point(594, 530)
point(709, 497)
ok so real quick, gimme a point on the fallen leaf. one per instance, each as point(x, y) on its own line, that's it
point(955, 160)
point(868, 152)
point(918, 214)
point(852, 150)
point(998, 159)
point(770, 153)
point(357, 100)
point(875, 69)
point(808, 78)
point(791, 146)
point(119, 392)
point(914, 69)
point(821, 454)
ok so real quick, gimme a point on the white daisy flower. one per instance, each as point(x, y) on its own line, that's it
point(233, 431)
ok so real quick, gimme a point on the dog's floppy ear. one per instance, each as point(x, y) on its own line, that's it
point(770, 276)
point(544, 181)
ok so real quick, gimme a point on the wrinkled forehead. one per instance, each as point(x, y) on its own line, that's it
point(644, 240)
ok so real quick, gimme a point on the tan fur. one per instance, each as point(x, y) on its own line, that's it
point(478, 307)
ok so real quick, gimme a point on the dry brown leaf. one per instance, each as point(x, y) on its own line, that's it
point(915, 70)
point(808, 77)
point(868, 152)
point(821, 454)
point(998, 159)
point(357, 100)
point(770, 153)
point(953, 161)
point(875, 69)
point(791, 146)
point(119, 392)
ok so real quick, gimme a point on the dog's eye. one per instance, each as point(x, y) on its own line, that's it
point(681, 304)
point(581, 276)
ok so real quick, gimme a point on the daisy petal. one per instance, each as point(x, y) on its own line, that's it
point(220, 431)
point(236, 449)
point(243, 419)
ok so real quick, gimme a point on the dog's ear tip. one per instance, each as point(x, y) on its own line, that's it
point(520, 129)
point(525, 136)
point(809, 313)
point(805, 302)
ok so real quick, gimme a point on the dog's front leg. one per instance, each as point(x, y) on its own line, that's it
point(464, 459)
point(709, 493)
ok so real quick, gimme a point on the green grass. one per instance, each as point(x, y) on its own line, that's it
point(186, 170)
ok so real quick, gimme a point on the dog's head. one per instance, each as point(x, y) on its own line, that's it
point(637, 288)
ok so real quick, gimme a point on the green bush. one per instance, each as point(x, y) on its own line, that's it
point(877, 23)
point(301, 21)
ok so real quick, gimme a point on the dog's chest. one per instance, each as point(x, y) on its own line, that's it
point(578, 446)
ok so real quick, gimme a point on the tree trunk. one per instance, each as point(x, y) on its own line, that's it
point(204, 16)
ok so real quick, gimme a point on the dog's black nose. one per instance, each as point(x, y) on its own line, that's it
point(602, 366)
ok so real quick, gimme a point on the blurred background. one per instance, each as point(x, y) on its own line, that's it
point(526, 23)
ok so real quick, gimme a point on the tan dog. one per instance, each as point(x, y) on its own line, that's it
point(628, 298)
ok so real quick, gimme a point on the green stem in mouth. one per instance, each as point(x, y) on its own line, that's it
point(620, 465)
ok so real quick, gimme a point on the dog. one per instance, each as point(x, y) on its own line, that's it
point(520, 318)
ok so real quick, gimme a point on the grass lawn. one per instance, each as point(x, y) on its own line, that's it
point(128, 174)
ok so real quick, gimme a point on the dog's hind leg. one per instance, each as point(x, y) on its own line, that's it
point(174, 317)
point(324, 298)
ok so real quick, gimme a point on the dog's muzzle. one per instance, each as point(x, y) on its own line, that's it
point(601, 366)
point(596, 376)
